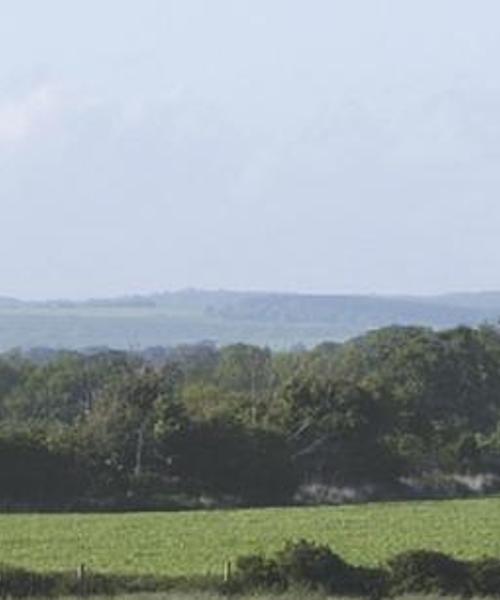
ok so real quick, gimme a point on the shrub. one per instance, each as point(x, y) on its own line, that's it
point(257, 572)
point(369, 582)
point(485, 575)
point(428, 572)
point(18, 583)
point(307, 565)
point(315, 566)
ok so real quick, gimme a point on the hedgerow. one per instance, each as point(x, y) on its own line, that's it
point(298, 565)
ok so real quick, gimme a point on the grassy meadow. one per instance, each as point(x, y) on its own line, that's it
point(187, 543)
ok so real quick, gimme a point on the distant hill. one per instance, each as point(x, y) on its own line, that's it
point(364, 311)
point(189, 316)
point(6, 302)
point(480, 300)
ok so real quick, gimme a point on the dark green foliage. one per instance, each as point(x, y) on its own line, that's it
point(315, 566)
point(309, 564)
point(338, 428)
point(302, 565)
point(305, 564)
point(485, 576)
point(369, 582)
point(225, 457)
point(428, 572)
point(30, 469)
point(18, 583)
point(255, 572)
point(241, 424)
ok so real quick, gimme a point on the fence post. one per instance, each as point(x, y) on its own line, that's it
point(227, 571)
point(81, 576)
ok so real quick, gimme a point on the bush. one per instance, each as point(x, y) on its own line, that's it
point(18, 583)
point(257, 572)
point(369, 582)
point(485, 576)
point(315, 566)
point(305, 564)
point(427, 572)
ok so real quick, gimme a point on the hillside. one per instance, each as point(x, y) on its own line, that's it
point(189, 316)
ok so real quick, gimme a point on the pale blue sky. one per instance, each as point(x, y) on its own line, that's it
point(320, 145)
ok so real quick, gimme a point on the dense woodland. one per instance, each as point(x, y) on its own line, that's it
point(241, 424)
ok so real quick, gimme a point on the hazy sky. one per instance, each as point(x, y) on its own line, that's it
point(306, 145)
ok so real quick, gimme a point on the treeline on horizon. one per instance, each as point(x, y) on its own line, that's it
point(244, 425)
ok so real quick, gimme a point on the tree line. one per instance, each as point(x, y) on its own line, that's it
point(242, 424)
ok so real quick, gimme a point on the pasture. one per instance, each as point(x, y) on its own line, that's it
point(186, 543)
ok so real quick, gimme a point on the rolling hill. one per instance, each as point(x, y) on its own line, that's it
point(189, 316)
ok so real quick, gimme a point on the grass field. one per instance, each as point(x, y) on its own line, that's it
point(199, 542)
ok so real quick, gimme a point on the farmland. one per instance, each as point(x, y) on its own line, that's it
point(185, 543)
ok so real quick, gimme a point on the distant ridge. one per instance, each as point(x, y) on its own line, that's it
point(223, 316)
point(483, 300)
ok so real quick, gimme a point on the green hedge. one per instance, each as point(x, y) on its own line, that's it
point(428, 572)
point(20, 583)
point(309, 565)
point(301, 564)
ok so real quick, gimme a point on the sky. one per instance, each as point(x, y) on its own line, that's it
point(327, 146)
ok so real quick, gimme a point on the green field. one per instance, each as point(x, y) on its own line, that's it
point(199, 542)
